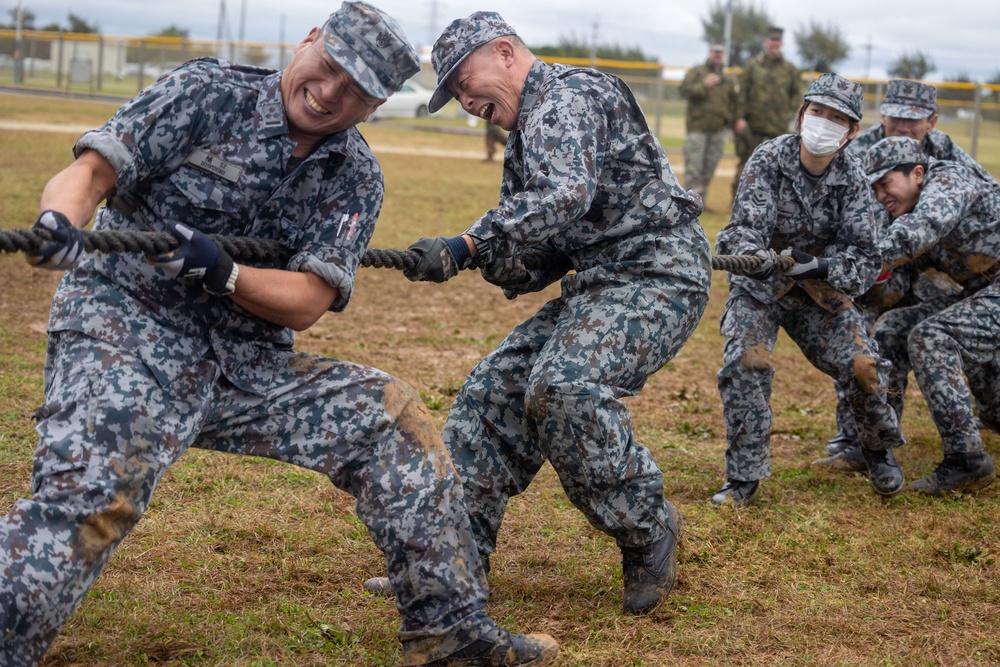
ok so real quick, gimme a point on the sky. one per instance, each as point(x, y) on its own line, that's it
point(960, 36)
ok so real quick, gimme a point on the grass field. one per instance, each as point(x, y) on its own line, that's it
point(247, 562)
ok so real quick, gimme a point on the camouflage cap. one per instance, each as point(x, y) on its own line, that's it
point(774, 32)
point(909, 99)
point(838, 93)
point(459, 39)
point(371, 47)
point(890, 153)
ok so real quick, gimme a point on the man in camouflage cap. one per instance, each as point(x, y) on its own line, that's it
point(711, 99)
point(585, 181)
point(945, 215)
point(769, 94)
point(148, 358)
point(908, 110)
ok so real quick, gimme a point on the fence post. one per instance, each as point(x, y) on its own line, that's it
point(977, 108)
point(100, 62)
point(659, 98)
point(59, 62)
point(142, 62)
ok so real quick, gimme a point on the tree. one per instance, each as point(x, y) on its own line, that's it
point(27, 20)
point(914, 65)
point(77, 24)
point(172, 31)
point(573, 46)
point(750, 24)
point(820, 48)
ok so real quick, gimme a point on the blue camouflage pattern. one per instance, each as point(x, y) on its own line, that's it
point(956, 224)
point(936, 144)
point(456, 43)
point(583, 176)
point(909, 99)
point(833, 221)
point(141, 367)
point(371, 47)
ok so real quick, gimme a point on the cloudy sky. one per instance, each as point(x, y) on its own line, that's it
point(960, 36)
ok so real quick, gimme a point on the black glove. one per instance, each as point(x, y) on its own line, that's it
point(198, 257)
point(767, 266)
point(441, 258)
point(66, 246)
point(806, 266)
point(507, 271)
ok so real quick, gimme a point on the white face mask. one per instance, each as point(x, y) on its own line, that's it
point(822, 137)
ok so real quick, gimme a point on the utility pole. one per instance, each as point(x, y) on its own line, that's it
point(727, 32)
point(432, 28)
point(593, 45)
point(868, 57)
point(19, 46)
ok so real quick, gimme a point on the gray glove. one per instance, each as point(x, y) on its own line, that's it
point(767, 266)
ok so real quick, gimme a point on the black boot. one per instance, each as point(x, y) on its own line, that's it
point(840, 442)
point(884, 473)
point(651, 571)
point(735, 491)
point(849, 458)
point(503, 649)
point(961, 471)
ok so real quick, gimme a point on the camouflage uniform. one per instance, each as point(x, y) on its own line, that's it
point(936, 144)
point(141, 367)
point(914, 100)
point(605, 197)
point(834, 222)
point(770, 92)
point(956, 222)
point(709, 115)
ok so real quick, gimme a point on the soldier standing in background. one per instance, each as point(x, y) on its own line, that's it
point(711, 100)
point(494, 135)
point(769, 96)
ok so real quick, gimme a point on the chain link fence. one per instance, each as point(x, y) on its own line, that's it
point(119, 67)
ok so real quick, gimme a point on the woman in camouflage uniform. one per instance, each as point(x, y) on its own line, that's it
point(802, 193)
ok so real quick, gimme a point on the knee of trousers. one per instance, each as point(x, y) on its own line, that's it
point(864, 372)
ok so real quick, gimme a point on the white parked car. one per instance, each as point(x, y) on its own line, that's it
point(410, 102)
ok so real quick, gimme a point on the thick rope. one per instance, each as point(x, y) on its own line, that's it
point(250, 249)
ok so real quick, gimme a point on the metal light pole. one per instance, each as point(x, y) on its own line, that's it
point(19, 46)
point(727, 32)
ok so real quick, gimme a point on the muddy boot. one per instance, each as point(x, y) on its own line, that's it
point(380, 586)
point(840, 442)
point(651, 571)
point(884, 473)
point(849, 458)
point(502, 649)
point(738, 493)
point(961, 471)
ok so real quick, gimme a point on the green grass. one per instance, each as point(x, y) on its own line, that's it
point(242, 561)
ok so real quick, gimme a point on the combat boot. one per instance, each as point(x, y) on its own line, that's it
point(502, 649)
point(382, 588)
point(849, 458)
point(841, 441)
point(960, 471)
point(650, 572)
point(884, 473)
point(737, 492)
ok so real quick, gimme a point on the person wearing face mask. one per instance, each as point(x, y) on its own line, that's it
point(801, 194)
point(908, 110)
